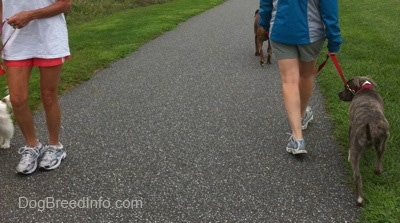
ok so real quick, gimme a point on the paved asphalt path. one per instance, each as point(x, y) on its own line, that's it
point(189, 128)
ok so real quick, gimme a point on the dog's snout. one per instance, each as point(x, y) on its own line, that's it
point(345, 95)
point(341, 97)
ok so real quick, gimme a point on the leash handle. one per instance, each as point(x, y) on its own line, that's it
point(322, 65)
point(335, 62)
point(2, 71)
point(5, 43)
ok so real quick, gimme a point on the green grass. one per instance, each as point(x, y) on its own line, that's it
point(371, 47)
point(84, 10)
point(371, 33)
point(99, 35)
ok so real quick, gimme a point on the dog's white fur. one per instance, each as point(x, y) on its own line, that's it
point(6, 124)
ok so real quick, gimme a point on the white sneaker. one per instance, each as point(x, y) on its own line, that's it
point(307, 118)
point(52, 157)
point(29, 159)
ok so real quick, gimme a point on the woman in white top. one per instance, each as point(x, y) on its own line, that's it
point(37, 36)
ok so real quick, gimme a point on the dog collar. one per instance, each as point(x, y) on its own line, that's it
point(366, 85)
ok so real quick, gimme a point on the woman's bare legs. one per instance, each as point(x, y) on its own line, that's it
point(49, 81)
point(18, 81)
point(289, 69)
point(306, 84)
point(297, 86)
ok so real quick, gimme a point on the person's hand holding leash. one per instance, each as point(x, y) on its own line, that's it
point(20, 20)
point(333, 48)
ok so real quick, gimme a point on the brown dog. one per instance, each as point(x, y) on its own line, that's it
point(368, 125)
point(260, 36)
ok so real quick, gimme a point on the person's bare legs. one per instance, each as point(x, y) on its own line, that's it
point(297, 86)
point(18, 81)
point(53, 152)
point(49, 81)
point(306, 84)
point(290, 75)
point(18, 85)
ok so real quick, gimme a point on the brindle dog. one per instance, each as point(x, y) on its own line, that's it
point(260, 35)
point(368, 126)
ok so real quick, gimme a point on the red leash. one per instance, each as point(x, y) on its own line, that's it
point(338, 68)
point(4, 45)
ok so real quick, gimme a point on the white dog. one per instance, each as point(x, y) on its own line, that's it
point(6, 124)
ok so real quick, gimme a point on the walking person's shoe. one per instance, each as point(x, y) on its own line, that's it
point(52, 157)
point(307, 118)
point(296, 146)
point(29, 160)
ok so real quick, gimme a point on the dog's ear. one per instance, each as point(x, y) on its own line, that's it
point(363, 79)
point(6, 100)
point(357, 82)
point(354, 82)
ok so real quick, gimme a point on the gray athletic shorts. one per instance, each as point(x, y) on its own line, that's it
point(306, 53)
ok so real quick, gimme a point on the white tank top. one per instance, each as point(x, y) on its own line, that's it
point(42, 38)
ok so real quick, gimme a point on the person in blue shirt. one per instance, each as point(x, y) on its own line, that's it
point(298, 30)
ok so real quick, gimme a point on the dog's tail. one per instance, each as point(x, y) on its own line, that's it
point(256, 12)
point(368, 133)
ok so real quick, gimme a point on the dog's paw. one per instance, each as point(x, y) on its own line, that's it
point(262, 62)
point(257, 54)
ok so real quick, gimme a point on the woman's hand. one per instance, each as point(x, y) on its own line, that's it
point(20, 20)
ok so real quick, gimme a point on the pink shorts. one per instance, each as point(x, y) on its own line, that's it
point(37, 62)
